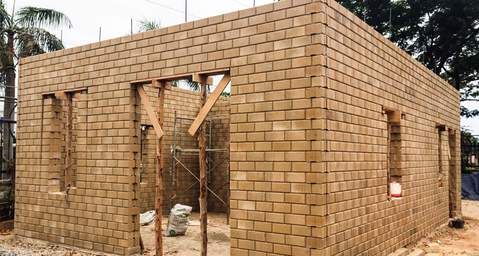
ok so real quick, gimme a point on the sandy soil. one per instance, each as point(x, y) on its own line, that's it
point(456, 242)
point(190, 244)
point(13, 246)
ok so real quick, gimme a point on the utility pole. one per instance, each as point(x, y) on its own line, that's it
point(254, 3)
point(99, 35)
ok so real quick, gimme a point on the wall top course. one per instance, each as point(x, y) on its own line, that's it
point(349, 19)
point(183, 27)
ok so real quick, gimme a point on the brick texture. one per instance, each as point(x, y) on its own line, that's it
point(308, 134)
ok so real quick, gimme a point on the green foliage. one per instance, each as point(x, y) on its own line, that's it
point(26, 32)
point(442, 34)
point(40, 17)
point(194, 86)
point(469, 146)
point(147, 25)
point(468, 139)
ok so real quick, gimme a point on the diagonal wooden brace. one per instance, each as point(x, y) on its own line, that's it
point(150, 111)
point(209, 104)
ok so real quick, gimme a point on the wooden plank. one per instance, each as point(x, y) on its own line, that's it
point(159, 175)
point(200, 118)
point(203, 179)
point(150, 111)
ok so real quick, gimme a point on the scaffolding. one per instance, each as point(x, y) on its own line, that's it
point(177, 152)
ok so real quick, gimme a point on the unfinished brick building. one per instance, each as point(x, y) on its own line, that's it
point(324, 114)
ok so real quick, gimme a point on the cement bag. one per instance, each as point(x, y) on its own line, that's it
point(147, 218)
point(178, 220)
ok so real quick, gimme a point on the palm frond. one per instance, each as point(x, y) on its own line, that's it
point(32, 41)
point(147, 25)
point(5, 18)
point(41, 17)
point(3, 55)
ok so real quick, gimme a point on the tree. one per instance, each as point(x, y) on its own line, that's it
point(23, 33)
point(442, 34)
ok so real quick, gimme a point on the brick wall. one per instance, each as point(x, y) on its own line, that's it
point(365, 74)
point(308, 135)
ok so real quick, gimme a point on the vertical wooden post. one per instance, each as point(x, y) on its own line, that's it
point(68, 141)
point(159, 173)
point(203, 177)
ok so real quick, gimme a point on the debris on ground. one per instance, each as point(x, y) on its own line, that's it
point(447, 241)
point(10, 245)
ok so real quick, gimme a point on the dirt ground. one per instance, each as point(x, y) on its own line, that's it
point(455, 242)
point(443, 242)
point(190, 244)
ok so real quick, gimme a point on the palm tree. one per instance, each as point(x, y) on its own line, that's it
point(23, 33)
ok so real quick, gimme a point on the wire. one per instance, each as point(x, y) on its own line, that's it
point(171, 9)
point(241, 3)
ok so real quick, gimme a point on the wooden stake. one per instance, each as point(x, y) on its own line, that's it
point(203, 179)
point(68, 141)
point(159, 176)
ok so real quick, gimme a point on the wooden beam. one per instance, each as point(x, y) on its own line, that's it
point(188, 76)
point(159, 174)
point(150, 111)
point(199, 78)
point(61, 95)
point(394, 115)
point(200, 118)
point(441, 127)
point(203, 177)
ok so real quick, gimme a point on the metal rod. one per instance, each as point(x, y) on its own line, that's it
point(195, 150)
point(198, 179)
point(186, 10)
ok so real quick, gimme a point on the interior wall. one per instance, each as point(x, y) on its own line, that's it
point(218, 167)
point(180, 186)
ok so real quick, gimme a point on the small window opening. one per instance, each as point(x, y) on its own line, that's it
point(64, 121)
point(394, 175)
point(440, 154)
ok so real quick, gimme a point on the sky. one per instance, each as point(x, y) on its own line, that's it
point(114, 17)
